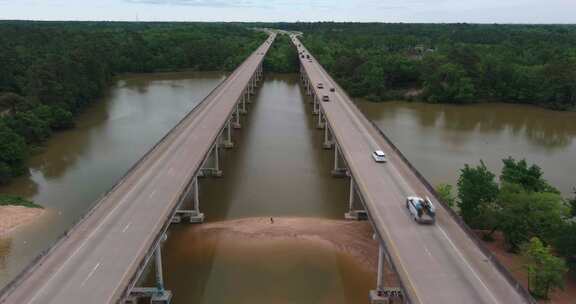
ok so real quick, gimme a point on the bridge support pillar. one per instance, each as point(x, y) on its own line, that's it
point(315, 105)
point(193, 215)
point(157, 295)
point(338, 171)
point(353, 213)
point(228, 144)
point(243, 110)
point(215, 171)
point(247, 94)
point(320, 120)
point(382, 294)
point(236, 123)
point(328, 143)
point(252, 85)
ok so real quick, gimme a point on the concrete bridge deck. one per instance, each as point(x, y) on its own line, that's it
point(99, 260)
point(438, 263)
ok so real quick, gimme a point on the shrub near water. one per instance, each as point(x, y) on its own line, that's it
point(13, 200)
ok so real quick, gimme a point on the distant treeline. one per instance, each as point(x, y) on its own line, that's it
point(281, 57)
point(454, 63)
point(49, 71)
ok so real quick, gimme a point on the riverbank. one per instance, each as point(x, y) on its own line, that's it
point(12, 217)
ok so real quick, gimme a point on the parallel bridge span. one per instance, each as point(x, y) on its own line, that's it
point(442, 263)
point(102, 257)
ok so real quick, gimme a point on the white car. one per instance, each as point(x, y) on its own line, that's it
point(421, 210)
point(379, 156)
point(320, 86)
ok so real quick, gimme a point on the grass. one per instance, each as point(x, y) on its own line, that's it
point(13, 200)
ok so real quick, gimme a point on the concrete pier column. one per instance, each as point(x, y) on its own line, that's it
point(247, 94)
point(338, 171)
point(383, 294)
point(236, 123)
point(228, 144)
point(320, 119)
point(380, 278)
point(161, 296)
point(192, 213)
point(327, 138)
point(243, 110)
point(315, 105)
point(353, 213)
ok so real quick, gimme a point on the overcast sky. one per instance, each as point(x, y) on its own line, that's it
point(481, 11)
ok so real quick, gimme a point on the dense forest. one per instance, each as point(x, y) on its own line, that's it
point(453, 63)
point(281, 57)
point(49, 71)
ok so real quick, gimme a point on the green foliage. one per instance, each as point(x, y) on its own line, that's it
point(12, 200)
point(51, 70)
point(282, 56)
point(565, 243)
point(446, 194)
point(531, 178)
point(572, 204)
point(13, 153)
point(526, 214)
point(477, 193)
point(545, 271)
point(458, 63)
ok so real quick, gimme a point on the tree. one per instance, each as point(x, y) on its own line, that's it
point(529, 177)
point(525, 214)
point(13, 153)
point(545, 271)
point(572, 204)
point(446, 194)
point(12, 101)
point(565, 243)
point(477, 193)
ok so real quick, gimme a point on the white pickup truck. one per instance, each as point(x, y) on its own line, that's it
point(421, 210)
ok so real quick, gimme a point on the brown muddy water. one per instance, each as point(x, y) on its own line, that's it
point(277, 168)
point(440, 139)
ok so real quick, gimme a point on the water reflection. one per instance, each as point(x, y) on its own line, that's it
point(440, 139)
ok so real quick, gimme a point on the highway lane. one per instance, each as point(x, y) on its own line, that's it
point(99, 258)
point(436, 264)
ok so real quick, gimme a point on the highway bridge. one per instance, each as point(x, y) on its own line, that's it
point(441, 263)
point(102, 258)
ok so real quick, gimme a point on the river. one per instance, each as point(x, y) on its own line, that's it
point(439, 139)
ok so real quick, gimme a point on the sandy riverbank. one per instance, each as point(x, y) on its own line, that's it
point(12, 217)
point(348, 237)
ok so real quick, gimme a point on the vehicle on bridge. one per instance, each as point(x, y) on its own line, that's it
point(332, 90)
point(320, 86)
point(379, 156)
point(325, 98)
point(421, 210)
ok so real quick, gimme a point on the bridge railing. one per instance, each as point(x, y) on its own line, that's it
point(493, 259)
point(37, 261)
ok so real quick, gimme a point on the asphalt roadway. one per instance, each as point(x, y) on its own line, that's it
point(100, 256)
point(436, 263)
